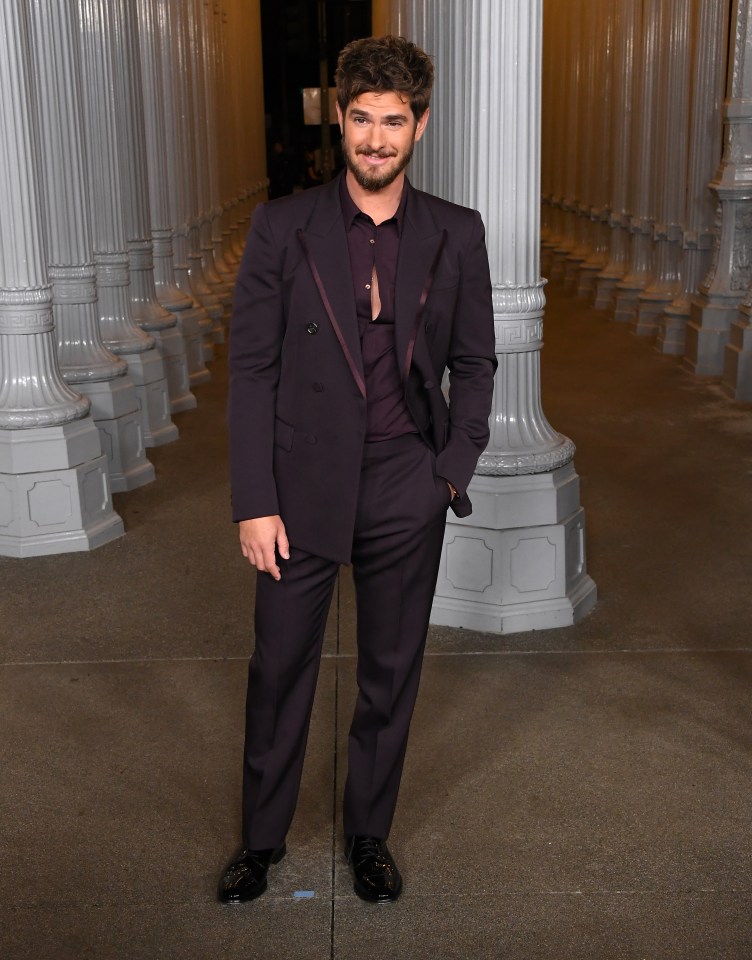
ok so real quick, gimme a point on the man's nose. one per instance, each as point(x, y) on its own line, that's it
point(378, 137)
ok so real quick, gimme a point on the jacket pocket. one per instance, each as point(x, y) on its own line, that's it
point(283, 434)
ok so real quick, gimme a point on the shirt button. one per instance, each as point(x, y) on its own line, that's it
point(428, 384)
point(368, 286)
point(311, 439)
point(318, 387)
point(372, 241)
point(312, 328)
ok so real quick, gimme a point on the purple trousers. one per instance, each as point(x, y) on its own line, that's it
point(395, 556)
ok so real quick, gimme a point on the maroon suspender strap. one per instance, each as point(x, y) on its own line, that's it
point(330, 313)
point(421, 306)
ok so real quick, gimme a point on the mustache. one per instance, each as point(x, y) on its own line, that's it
point(381, 154)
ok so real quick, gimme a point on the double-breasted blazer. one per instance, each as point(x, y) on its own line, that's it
point(297, 406)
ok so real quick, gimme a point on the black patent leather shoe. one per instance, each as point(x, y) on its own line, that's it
point(374, 872)
point(245, 876)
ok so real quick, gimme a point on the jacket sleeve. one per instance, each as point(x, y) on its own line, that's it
point(256, 335)
point(472, 364)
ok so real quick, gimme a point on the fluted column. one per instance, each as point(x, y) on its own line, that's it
point(188, 243)
point(568, 138)
point(600, 146)
point(584, 92)
point(84, 360)
point(555, 110)
point(200, 23)
point(103, 135)
point(168, 94)
point(642, 167)
point(215, 73)
point(626, 19)
point(159, 152)
point(54, 489)
point(710, 31)
point(716, 307)
point(518, 562)
point(148, 313)
point(670, 163)
point(251, 179)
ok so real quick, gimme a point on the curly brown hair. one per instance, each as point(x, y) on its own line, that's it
point(378, 64)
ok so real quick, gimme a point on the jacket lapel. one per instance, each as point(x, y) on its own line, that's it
point(421, 245)
point(324, 245)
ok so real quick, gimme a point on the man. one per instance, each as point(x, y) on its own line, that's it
point(351, 301)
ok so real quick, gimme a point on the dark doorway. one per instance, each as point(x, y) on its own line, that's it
point(291, 51)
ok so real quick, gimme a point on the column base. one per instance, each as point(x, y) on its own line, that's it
point(189, 325)
point(737, 370)
point(54, 491)
point(586, 282)
point(115, 411)
point(171, 347)
point(626, 303)
point(558, 267)
point(147, 372)
point(707, 335)
point(672, 332)
point(518, 563)
point(650, 309)
point(572, 269)
point(605, 292)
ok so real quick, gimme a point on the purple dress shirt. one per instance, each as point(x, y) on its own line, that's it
point(374, 249)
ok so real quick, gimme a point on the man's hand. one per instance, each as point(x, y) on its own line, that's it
point(259, 537)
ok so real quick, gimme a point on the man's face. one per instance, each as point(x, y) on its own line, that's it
point(378, 134)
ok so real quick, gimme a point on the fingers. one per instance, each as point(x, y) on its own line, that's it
point(283, 545)
point(258, 539)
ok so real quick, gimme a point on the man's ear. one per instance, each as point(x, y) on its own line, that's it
point(340, 119)
point(421, 124)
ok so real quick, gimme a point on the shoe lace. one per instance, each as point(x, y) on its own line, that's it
point(367, 848)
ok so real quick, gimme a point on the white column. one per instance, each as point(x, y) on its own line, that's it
point(196, 320)
point(84, 360)
point(54, 490)
point(199, 13)
point(582, 91)
point(569, 42)
point(709, 53)
point(670, 163)
point(642, 167)
point(625, 18)
point(518, 562)
point(188, 245)
point(148, 313)
point(180, 304)
point(119, 332)
point(716, 306)
point(215, 73)
point(600, 146)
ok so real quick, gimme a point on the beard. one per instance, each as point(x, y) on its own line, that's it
point(375, 180)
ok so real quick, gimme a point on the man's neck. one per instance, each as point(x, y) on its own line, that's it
point(380, 205)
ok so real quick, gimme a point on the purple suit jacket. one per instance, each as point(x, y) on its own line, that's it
point(297, 408)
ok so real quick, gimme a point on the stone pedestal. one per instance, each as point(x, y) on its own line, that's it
point(54, 489)
point(715, 308)
point(518, 562)
point(737, 365)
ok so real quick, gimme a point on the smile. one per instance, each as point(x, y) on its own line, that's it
point(375, 159)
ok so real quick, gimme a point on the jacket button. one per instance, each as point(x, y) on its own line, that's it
point(318, 387)
point(311, 439)
point(428, 384)
point(312, 328)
